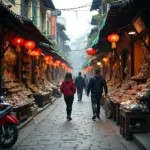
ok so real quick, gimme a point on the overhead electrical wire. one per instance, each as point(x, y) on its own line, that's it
point(62, 9)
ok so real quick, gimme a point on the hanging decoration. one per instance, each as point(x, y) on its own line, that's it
point(105, 60)
point(50, 62)
point(57, 62)
point(63, 65)
point(38, 53)
point(46, 59)
point(54, 65)
point(29, 45)
point(91, 52)
point(113, 38)
point(18, 42)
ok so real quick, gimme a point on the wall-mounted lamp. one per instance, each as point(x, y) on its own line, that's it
point(132, 33)
point(99, 63)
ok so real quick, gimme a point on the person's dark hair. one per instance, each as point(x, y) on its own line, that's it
point(68, 76)
point(79, 73)
point(85, 75)
point(97, 71)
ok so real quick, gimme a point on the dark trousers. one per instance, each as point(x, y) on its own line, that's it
point(96, 105)
point(69, 102)
point(79, 93)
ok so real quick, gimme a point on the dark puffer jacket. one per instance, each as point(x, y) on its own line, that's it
point(96, 86)
point(80, 84)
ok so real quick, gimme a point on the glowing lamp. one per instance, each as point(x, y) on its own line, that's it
point(54, 65)
point(91, 52)
point(46, 59)
point(57, 62)
point(29, 45)
point(18, 42)
point(99, 63)
point(105, 60)
point(38, 53)
point(50, 62)
point(113, 38)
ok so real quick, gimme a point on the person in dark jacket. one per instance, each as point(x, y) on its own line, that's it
point(80, 84)
point(96, 86)
point(68, 88)
point(86, 82)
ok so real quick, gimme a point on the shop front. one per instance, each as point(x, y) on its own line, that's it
point(128, 103)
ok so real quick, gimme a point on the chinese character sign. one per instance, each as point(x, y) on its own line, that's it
point(53, 25)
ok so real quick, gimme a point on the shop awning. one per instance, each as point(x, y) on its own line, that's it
point(34, 32)
point(49, 50)
point(48, 4)
point(95, 4)
point(119, 19)
point(95, 41)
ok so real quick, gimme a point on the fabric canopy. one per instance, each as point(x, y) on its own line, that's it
point(95, 41)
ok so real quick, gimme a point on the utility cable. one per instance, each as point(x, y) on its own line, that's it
point(63, 9)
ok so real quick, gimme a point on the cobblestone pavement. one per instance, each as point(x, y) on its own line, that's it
point(51, 131)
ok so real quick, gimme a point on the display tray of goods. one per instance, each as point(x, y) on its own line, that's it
point(20, 97)
point(42, 94)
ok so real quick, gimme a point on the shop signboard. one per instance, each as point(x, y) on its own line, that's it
point(139, 25)
point(53, 26)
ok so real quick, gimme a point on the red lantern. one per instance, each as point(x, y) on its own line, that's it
point(54, 65)
point(29, 45)
point(32, 53)
point(38, 53)
point(50, 62)
point(18, 42)
point(91, 52)
point(50, 58)
point(113, 38)
point(57, 62)
point(46, 58)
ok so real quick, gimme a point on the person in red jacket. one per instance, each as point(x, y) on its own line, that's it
point(68, 88)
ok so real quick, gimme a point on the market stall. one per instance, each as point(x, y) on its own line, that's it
point(16, 92)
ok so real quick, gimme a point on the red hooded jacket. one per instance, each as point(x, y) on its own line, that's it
point(68, 88)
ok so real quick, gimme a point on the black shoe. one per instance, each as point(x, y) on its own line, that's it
point(94, 117)
point(69, 118)
point(98, 117)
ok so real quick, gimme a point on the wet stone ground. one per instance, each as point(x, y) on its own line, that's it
point(51, 131)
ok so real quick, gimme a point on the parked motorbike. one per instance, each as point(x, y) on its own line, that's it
point(56, 91)
point(8, 125)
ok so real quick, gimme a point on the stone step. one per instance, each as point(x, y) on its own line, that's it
point(142, 140)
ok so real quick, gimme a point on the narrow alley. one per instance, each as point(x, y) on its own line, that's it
point(51, 131)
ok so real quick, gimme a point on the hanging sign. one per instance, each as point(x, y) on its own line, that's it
point(53, 25)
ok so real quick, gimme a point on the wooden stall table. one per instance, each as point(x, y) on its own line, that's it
point(133, 122)
point(117, 113)
point(113, 106)
point(40, 100)
point(22, 112)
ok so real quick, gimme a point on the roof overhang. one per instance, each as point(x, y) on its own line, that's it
point(95, 4)
point(49, 5)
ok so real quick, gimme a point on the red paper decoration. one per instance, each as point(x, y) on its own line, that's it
point(113, 38)
point(18, 42)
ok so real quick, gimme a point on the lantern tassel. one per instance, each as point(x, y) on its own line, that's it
point(113, 45)
point(91, 57)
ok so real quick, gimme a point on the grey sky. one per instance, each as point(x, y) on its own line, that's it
point(76, 23)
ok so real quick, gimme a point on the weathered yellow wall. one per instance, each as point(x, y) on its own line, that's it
point(17, 9)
